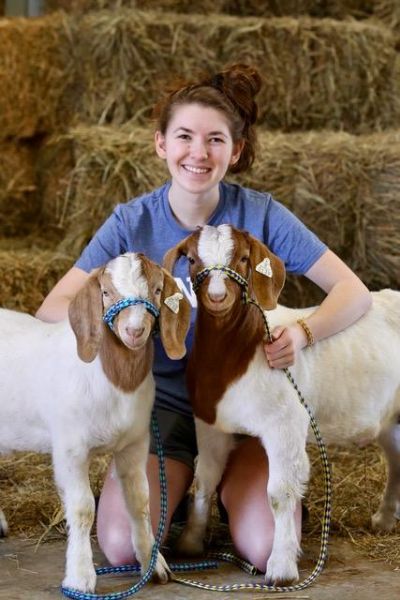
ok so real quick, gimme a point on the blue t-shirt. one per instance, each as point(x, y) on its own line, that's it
point(146, 224)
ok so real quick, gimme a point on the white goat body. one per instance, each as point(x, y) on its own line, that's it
point(54, 400)
point(351, 381)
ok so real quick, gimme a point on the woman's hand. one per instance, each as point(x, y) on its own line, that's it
point(287, 342)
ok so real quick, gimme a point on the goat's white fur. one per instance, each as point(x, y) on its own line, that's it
point(52, 401)
point(351, 381)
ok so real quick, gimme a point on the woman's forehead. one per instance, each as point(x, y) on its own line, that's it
point(198, 117)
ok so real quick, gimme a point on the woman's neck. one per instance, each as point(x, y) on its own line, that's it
point(192, 210)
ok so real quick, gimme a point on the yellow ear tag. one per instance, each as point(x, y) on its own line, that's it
point(173, 302)
point(264, 267)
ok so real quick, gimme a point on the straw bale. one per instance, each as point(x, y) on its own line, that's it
point(18, 199)
point(35, 72)
point(28, 274)
point(344, 187)
point(267, 8)
point(110, 166)
point(318, 73)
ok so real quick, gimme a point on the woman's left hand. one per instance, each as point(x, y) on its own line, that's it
point(287, 342)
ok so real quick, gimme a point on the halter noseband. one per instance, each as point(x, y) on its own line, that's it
point(204, 273)
point(116, 308)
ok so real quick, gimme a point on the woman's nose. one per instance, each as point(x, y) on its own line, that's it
point(199, 150)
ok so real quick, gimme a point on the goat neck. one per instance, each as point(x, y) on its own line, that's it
point(125, 368)
point(222, 350)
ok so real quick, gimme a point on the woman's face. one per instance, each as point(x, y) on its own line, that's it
point(198, 147)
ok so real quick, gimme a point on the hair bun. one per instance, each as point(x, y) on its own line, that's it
point(241, 83)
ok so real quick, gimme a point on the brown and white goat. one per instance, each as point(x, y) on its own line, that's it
point(351, 381)
point(98, 397)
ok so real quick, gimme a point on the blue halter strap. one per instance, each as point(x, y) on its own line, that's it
point(116, 308)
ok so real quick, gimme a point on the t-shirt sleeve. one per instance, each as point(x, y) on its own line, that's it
point(107, 243)
point(291, 240)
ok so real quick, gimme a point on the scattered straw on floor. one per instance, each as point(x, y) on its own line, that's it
point(31, 504)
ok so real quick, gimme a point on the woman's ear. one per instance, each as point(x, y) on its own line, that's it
point(236, 151)
point(159, 140)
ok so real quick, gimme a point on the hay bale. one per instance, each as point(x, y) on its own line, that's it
point(346, 188)
point(110, 66)
point(110, 166)
point(318, 73)
point(268, 8)
point(19, 205)
point(36, 74)
point(28, 274)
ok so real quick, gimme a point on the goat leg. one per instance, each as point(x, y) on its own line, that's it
point(131, 464)
point(288, 473)
point(214, 447)
point(71, 470)
point(389, 509)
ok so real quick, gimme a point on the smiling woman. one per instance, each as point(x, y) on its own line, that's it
point(206, 129)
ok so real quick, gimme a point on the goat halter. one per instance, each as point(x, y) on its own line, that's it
point(203, 274)
point(116, 308)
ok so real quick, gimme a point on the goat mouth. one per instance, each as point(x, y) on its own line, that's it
point(135, 343)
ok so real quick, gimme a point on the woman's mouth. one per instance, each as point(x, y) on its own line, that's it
point(196, 170)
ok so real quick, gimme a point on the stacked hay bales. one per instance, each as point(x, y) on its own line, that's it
point(76, 141)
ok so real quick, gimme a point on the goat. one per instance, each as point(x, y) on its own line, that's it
point(77, 387)
point(351, 381)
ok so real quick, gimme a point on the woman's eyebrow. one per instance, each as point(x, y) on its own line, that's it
point(186, 130)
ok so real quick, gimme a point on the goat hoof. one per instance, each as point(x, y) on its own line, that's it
point(278, 574)
point(188, 545)
point(162, 573)
point(3, 525)
point(383, 522)
point(84, 582)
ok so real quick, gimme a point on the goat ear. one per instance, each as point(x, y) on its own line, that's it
point(174, 318)
point(268, 274)
point(173, 254)
point(85, 315)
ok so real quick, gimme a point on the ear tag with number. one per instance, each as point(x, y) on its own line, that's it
point(173, 302)
point(264, 267)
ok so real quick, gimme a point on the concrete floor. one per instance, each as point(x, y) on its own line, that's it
point(29, 574)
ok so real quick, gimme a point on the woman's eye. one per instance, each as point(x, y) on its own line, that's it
point(184, 136)
point(216, 140)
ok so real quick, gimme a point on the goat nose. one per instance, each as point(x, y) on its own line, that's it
point(218, 297)
point(134, 331)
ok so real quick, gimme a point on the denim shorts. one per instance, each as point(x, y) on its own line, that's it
point(178, 436)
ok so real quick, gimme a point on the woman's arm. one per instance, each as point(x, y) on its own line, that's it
point(55, 306)
point(346, 301)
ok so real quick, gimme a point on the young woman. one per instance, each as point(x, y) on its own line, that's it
point(206, 129)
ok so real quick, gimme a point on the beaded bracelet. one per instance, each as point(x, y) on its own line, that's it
point(307, 331)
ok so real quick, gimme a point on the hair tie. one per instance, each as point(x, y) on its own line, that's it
point(217, 81)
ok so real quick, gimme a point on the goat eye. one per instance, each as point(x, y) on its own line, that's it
point(158, 291)
point(191, 260)
point(244, 259)
point(105, 294)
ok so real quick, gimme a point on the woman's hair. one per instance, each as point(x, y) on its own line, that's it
point(231, 91)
